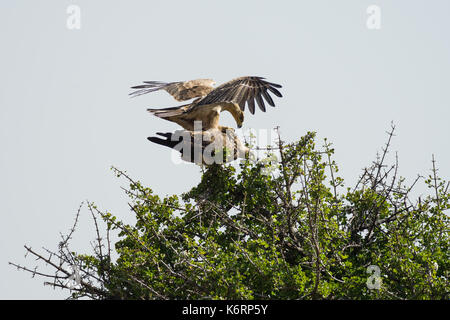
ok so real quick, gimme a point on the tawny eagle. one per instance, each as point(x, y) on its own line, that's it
point(204, 147)
point(231, 96)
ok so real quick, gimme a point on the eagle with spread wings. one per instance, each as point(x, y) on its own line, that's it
point(209, 102)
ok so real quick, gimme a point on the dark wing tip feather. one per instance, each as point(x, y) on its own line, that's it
point(156, 83)
point(267, 97)
point(157, 140)
point(149, 86)
point(260, 102)
point(275, 92)
point(242, 105)
point(275, 85)
point(167, 134)
point(251, 105)
point(168, 142)
point(142, 86)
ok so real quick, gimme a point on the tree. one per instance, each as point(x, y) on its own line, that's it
point(286, 229)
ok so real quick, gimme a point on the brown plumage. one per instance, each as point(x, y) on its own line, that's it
point(231, 96)
point(204, 147)
point(180, 90)
point(202, 118)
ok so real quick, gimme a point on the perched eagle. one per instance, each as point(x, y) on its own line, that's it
point(204, 147)
point(231, 96)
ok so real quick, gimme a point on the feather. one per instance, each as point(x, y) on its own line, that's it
point(251, 105)
point(267, 97)
point(180, 90)
point(275, 85)
point(275, 91)
point(241, 91)
point(260, 102)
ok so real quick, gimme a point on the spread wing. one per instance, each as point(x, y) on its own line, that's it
point(181, 90)
point(243, 90)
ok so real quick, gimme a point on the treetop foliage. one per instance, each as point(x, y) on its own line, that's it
point(286, 229)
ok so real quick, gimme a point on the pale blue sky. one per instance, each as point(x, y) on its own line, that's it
point(65, 116)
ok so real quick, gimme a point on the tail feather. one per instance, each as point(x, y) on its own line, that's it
point(167, 112)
